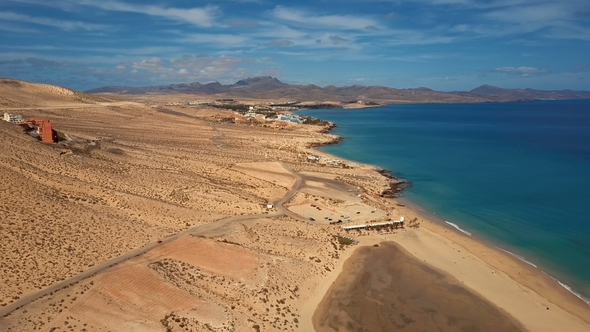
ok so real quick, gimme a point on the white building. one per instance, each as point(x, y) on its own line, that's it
point(13, 118)
point(395, 223)
point(289, 118)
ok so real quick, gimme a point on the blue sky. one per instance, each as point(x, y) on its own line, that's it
point(442, 44)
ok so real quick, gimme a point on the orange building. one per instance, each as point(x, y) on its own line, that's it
point(44, 129)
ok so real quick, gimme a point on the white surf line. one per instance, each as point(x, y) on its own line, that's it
point(519, 257)
point(458, 228)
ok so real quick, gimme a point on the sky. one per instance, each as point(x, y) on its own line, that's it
point(445, 45)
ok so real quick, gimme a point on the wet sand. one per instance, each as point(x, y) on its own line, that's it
point(386, 289)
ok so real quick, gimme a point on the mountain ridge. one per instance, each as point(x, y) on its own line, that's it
point(271, 87)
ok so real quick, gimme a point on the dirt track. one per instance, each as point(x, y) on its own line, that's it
point(5, 311)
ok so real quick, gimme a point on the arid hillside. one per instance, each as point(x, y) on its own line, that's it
point(127, 176)
point(15, 93)
point(124, 177)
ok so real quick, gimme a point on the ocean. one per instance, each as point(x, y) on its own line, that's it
point(515, 175)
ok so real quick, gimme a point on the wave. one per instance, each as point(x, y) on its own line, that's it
point(569, 289)
point(458, 228)
point(518, 256)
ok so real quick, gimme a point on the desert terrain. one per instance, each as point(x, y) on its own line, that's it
point(157, 219)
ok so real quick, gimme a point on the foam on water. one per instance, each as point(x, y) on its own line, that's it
point(458, 228)
point(518, 256)
point(569, 289)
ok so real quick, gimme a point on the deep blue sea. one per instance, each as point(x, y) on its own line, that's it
point(516, 175)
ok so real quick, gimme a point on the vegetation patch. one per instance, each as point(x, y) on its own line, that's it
point(344, 240)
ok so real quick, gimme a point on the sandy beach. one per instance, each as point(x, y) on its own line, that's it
point(385, 288)
point(171, 208)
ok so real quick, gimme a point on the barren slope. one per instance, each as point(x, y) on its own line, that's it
point(15, 93)
point(127, 177)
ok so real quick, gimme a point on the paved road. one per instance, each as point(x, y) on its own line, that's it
point(281, 210)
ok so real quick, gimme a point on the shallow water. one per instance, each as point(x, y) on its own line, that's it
point(516, 175)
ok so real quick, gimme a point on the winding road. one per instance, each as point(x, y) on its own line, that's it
point(281, 210)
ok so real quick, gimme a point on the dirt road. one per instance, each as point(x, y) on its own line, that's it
point(281, 210)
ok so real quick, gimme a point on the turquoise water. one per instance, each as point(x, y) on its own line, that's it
point(516, 175)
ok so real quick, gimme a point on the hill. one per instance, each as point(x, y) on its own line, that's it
point(15, 93)
point(489, 91)
point(267, 87)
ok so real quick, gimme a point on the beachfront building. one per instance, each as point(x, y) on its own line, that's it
point(13, 118)
point(254, 116)
point(391, 223)
point(289, 118)
point(330, 162)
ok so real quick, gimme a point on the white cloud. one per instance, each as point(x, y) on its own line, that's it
point(243, 23)
point(153, 65)
point(338, 40)
point(17, 29)
point(189, 68)
point(60, 24)
point(224, 40)
point(202, 17)
point(281, 42)
point(345, 22)
point(521, 71)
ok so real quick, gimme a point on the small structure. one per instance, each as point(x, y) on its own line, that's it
point(269, 206)
point(289, 118)
point(43, 128)
point(394, 223)
point(13, 118)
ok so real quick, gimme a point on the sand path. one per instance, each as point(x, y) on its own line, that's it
point(211, 227)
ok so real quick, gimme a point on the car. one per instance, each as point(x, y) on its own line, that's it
point(159, 241)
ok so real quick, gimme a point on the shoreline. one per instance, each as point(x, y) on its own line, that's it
point(456, 228)
point(539, 281)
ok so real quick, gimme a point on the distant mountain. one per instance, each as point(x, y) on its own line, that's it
point(269, 87)
point(264, 83)
point(490, 91)
point(183, 87)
